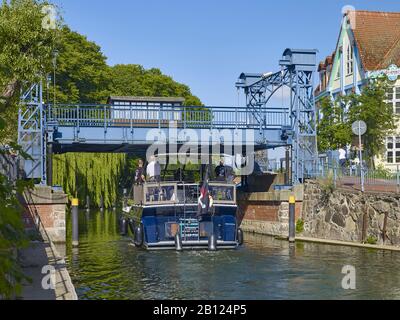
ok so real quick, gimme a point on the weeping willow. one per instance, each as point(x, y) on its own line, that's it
point(88, 174)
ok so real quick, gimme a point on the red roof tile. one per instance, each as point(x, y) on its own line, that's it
point(377, 36)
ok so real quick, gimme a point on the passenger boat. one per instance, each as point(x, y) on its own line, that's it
point(166, 215)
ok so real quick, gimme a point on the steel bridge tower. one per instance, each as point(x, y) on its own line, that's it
point(32, 136)
point(297, 70)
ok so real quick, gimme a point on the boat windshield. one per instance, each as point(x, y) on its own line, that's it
point(176, 193)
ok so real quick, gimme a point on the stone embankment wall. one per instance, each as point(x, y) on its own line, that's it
point(351, 216)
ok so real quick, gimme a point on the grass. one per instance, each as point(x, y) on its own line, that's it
point(299, 226)
point(327, 184)
point(371, 240)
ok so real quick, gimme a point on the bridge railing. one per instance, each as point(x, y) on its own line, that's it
point(85, 115)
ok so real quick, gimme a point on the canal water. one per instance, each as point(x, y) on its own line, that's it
point(108, 266)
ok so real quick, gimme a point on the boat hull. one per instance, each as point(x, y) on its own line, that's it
point(161, 226)
point(190, 245)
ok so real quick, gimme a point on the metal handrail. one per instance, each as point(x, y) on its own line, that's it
point(82, 115)
point(156, 106)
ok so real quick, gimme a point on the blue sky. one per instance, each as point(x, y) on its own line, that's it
point(206, 44)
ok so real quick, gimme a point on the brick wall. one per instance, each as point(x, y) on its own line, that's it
point(45, 212)
point(260, 210)
point(264, 210)
point(50, 207)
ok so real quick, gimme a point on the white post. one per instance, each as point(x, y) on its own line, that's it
point(361, 159)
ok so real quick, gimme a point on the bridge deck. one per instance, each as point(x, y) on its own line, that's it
point(107, 128)
point(187, 117)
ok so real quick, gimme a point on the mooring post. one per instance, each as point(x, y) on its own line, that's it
point(101, 203)
point(87, 202)
point(292, 218)
point(75, 224)
point(50, 164)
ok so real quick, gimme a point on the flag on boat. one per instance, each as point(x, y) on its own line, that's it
point(205, 199)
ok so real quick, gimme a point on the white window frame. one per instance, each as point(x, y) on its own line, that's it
point(349, 59)
point(395, 140)
point(395, 100)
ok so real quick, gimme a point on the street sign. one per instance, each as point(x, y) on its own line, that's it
point(359, 128)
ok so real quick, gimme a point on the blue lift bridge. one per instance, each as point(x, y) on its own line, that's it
point(44, 129)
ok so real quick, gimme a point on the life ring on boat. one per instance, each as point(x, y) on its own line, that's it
point(139, 236)
point(240, 236)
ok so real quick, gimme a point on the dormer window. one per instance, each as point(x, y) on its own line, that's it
point(350, 62)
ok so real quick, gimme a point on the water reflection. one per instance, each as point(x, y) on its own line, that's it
point(108, 266)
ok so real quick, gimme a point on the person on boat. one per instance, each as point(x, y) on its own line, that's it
point(139, 173)
point(154, 170)
point(229, 172)
point(220, 171)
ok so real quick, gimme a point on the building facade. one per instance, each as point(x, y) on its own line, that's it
point(368, 46)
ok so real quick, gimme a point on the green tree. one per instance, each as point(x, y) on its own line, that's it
point(333, 131)
point(86, 174)
point(370, 106)
point(26, 51)
point(25, 56)
point(82, 74)
point(134, 80)
point(12, 237)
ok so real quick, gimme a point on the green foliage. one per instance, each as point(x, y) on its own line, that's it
point(327, 183)
point(25, 56)
point(300, 226)
point(134, 80)
point(371, 107)
point(381, 172)
point(26, 51)
point(96, 175)
point(82, 75)
point(9, 132)
point(334, 129)
point(12, 235)
point(25, 47)
point(371, 240)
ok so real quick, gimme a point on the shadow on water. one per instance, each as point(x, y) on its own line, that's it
point(108, 266)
